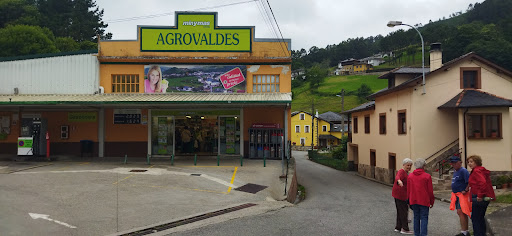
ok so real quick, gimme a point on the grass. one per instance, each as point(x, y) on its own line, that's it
point(326, 100)
point(504, 198)
point(302, 190)
point(327, 160)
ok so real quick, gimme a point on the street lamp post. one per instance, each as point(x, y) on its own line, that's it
point(342, 110)
point(395, 23)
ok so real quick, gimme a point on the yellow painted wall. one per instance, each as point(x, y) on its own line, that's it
point(131, 50)
point(360, 68)
point(295, 120)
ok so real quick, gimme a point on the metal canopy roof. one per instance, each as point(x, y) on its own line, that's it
point(169, 98)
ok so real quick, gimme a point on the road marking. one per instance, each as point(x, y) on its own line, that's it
point(232, 179)
point(36, 216)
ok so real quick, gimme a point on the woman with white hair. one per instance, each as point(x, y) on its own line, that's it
point(421, 196)
point(399, 192)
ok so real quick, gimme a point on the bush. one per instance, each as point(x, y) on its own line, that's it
point(339, 153)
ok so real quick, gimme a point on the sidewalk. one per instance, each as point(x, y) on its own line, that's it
point(498, 215)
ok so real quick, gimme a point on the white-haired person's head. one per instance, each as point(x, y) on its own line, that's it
point(407, 161)
point(419, 163)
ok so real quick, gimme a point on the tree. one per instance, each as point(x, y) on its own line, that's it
point(316, 75)
point(363, 92)
point(24, 40)
point(14, 12)
point(78, 19)
point(66, 44)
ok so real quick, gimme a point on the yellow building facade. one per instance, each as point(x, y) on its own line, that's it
point(305, 128)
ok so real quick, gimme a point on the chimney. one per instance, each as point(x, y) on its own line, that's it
point(436, 56)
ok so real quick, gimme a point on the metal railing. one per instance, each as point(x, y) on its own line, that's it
point(443, 166)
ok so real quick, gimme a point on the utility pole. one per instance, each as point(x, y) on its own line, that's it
point(312, 124)
point(342, 110)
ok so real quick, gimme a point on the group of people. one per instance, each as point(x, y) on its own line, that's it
point(471, 193)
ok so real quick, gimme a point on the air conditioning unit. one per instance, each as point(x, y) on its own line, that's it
point(16, 91)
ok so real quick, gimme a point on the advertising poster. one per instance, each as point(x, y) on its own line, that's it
point(195, 78)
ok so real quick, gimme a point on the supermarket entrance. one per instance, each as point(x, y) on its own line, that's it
point(199, 134)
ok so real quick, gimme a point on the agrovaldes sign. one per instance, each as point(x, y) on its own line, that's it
point(196, 32)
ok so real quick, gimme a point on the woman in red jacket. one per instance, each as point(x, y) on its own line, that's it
point(421, 196)
point(399, 192)
point(481, 186)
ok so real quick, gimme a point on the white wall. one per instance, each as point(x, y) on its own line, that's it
point(74, 74)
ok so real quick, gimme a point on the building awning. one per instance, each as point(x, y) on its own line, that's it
point(135, 99)
point(326, 136)
point(476, 99)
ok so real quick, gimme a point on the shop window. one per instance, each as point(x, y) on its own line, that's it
point(355, 125)
point(302, 116)
point(382, 123)
point(367, 124)
point(297, 129)
point(484, 126)
point(125, 83)
point(265, 84)
point(470, 78)
point(324, 128)
point(402, 122)
point(306, 129)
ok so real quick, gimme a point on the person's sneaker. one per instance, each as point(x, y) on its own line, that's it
point(406, 232)
point(396, 230)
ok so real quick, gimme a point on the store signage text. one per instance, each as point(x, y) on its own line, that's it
point(196, 32)
point(232, 78)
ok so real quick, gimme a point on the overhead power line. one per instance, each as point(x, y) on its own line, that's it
point(172, 13)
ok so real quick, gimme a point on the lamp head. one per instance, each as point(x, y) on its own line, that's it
point(394, 23)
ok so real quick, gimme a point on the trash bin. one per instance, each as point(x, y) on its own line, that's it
point(86, 147)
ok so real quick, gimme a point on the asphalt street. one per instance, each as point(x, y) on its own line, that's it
point(337, 203)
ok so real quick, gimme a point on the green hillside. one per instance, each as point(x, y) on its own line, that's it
point(325, 98)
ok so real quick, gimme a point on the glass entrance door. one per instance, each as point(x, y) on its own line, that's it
point(162, 135)
point(229, 135)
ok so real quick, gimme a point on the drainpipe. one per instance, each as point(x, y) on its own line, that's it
point(465, 142)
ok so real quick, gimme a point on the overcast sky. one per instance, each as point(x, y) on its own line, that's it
point(307, 22)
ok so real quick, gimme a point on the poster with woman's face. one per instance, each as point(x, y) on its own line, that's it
point(195, 78)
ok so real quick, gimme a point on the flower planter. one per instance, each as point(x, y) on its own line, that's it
point(494, 134)
point(476, 135)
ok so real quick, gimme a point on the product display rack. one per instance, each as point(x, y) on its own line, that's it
point(266, 142)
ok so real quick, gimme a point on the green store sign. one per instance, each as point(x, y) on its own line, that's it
point(196, 32)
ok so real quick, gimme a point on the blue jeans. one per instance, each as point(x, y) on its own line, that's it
point(420, 219)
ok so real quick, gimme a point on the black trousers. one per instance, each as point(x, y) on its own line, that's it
point(402, 213)
point(478, 217)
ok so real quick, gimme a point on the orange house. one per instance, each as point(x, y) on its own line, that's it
point(193, 88)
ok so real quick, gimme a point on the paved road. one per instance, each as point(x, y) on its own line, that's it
point(337, 203)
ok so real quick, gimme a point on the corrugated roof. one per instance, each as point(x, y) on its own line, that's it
point(476, 98)
point(170, 98)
